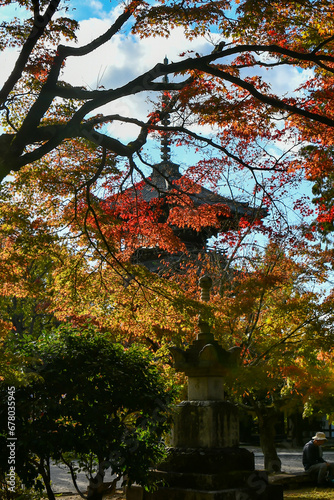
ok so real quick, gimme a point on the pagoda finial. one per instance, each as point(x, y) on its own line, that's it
point(205, 283)
point(165, 145)
point(165, 78)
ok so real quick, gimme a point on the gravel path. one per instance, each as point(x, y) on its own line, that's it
point(62, 482)
point(291, 463)
point(291, 459)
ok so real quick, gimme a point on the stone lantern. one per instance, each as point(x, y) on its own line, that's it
point(205, 420)
point(204, 461)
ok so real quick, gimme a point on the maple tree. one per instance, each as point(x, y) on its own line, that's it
point(47, 278)
point(41, 112)
point(25, 292)
point(282, 324)
point(263, 306)
point(85, 185)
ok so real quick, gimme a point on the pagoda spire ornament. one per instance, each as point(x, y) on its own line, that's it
point(205, 284)
point(165, 143)
point(205, 362)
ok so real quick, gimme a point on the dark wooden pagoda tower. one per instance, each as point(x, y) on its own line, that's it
point(160, 183)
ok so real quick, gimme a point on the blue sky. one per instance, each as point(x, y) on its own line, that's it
point(84, 9)
point(80, 9)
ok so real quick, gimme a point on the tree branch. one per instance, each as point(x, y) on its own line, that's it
point(73, 476)
point(283, 340)
point(49, 90)
point(266, 99)
point(14, 159)
point(67, 51)
point(83, 94)
point(40, 23)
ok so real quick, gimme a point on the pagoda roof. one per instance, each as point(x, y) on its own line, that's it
point(162, 181)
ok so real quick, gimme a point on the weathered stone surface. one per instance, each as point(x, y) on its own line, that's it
point(208, 461)
point(205, 357)
point(200, 481)
point(293, 481)
point(205, 388)
point(205, 424)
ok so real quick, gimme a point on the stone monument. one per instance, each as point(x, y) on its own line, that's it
point(204, 461)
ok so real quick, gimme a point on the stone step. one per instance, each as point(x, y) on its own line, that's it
point(292, 481)
point(203, 481)
point(267, 493)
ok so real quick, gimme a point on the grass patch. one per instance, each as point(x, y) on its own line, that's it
point(308, 494)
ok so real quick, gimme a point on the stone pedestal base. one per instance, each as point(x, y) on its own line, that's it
point(208, 474)
point(205, 461)
point(206, 482)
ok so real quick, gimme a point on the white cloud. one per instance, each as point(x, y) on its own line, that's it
point(96, 6)
point(7, 61)
point(286, 79)
point(125, 56)
point(119, 61)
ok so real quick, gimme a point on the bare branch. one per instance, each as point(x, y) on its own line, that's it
point(266, 99)
point(99, 41)
point(73, 476)
point(84, 94)
point(40, 23)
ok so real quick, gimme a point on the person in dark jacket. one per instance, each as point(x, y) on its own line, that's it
point(313, 462)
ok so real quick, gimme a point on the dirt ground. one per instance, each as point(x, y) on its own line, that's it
point(309, 494)
point(118, 495)
point(303, 494)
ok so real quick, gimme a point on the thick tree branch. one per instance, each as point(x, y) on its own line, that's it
point(264, 98)
point(83, 94)
point(58, 133)
point(99, 41)
point(49, 90)
point(272, 49)
point(30, 131)
point(322, 44)
point(40, 23)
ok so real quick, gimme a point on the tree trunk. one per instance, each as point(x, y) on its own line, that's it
point(94, 494)
point(96, 490)
point(44, 469)
point(297, 426)
point(267, 418)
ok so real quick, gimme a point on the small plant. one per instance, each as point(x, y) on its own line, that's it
point(20, 491)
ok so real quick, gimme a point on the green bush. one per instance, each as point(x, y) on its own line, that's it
point(87, 398)
point(19, 492)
